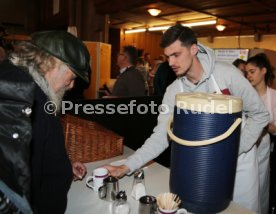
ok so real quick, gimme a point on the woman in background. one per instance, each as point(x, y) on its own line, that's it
point(260, 74)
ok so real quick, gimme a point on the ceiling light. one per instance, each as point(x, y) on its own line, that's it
point(158, 28)
point(154, 11)
point(193, 24)
point(135, 30)
point(162, 28)
point(220, 27)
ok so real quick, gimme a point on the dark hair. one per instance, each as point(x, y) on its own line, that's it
point(178, 32)
point(132, 53)
point(140, 60)
point(261, 61)
point(238, 61)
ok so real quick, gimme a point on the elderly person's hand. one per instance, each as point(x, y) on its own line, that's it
point(117, 171)
point(79, 170)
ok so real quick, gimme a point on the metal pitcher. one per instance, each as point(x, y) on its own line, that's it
point(147, 205)
point(109, 189)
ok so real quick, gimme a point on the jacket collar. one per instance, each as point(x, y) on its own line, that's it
point(45, 87)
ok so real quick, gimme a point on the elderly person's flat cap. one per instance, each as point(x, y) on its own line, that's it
point(67, 48)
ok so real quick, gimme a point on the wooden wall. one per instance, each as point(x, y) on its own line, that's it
point(266, 42)
point(114, 40)
point(149, 42)
point(100, 56)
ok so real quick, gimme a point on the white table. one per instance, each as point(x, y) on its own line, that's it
point(83, 200)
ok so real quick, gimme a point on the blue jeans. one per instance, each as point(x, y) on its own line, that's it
point(11, 202)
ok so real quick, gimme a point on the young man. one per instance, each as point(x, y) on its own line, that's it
point(198, 71)
point(52, 60)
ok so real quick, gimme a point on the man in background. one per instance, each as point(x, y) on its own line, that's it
point(130, 82)
point(240, 64)
point(148, 62)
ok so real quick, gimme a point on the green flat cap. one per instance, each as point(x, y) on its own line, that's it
point(67, 48)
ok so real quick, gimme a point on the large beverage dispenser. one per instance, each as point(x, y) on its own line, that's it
point(205, 142)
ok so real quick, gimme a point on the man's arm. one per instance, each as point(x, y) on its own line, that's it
point(154, 145)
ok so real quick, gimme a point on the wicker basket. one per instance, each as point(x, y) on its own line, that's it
point(87, 141)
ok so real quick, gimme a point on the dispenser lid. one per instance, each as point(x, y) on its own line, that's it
point(139, 174)
point(147, 199)
point(209, 103)
point(121, 195)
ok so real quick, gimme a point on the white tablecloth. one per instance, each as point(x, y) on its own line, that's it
point(83, 200)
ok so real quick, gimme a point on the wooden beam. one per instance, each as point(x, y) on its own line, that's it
point(115, 6)
point(185, 5)
point(264, 5)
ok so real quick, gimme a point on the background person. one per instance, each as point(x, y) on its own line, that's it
point(260, 74)
point(240, 64)
point(164, 76)
point(147, 59)
point(52, 60)
point(151, 74)
point(130, 82)
point(140, 65)
point(198, 71)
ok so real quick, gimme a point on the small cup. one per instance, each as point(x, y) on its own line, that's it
point(174, 211)
point(97, 178)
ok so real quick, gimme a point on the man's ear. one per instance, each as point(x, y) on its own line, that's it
point(194, 49)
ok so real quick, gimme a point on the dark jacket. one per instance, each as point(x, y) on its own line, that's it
point(164, 76)
point(16, 98)
point(51, 169)
point(43, 151)
point(129, 84)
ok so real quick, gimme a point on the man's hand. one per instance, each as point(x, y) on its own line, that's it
point(79, 170)
point(117, 171)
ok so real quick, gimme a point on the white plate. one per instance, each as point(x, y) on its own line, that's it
point(118, 162)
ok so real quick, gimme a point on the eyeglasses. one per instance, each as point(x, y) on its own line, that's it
point(121, 54)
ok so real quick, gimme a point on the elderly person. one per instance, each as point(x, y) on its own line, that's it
point(50, 61)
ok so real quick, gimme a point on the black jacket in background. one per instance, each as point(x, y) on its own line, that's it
point(164, 76)
point(16, 99)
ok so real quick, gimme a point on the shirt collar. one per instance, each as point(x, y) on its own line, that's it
point(122, 70)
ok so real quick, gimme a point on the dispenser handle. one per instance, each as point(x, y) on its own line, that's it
point(202, 142)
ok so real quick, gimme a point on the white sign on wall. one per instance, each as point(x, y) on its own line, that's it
point(230, 55)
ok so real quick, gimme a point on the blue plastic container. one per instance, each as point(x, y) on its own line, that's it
point(204, 151)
